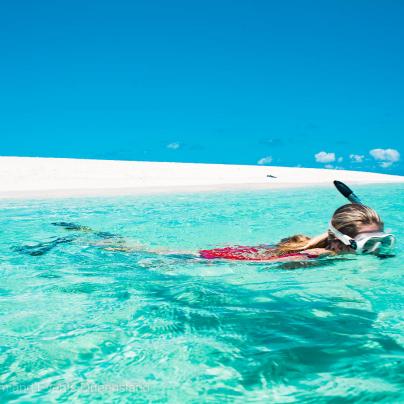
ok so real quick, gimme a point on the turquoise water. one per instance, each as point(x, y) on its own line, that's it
point(82, 323)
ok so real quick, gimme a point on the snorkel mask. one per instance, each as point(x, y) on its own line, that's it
point(379, 243)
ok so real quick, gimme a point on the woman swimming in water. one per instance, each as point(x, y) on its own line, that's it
point(354, 228)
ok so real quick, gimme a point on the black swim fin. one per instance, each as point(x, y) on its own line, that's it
point(43, 247)
point(72, 226)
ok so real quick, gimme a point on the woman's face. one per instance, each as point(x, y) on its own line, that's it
point(340, 248)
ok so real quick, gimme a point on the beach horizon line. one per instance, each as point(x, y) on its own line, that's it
point(47, 177)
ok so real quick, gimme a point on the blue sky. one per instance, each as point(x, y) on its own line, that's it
point(205, 81)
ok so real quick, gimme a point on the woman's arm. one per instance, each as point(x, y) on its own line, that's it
point(316, 252)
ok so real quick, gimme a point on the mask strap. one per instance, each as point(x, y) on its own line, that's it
point(343, 237)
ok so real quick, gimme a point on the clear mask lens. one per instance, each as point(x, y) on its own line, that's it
point(371, 246)
point(376, 245)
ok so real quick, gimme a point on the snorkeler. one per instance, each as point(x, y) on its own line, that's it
point(354, 229)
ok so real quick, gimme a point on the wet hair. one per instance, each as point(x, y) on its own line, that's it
point(347, 219)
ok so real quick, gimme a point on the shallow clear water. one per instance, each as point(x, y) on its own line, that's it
point(82, 323)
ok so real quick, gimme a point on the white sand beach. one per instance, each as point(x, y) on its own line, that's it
point(30, 177)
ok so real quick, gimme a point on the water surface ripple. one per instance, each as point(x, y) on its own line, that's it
point(79, 322)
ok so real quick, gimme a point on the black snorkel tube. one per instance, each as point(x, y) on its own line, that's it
point(347, 192)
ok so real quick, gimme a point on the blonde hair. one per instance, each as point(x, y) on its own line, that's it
point(347, 219)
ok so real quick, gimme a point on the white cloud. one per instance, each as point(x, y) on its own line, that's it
point(324, 157)
point(265, 160)
point(386, 157)
point(174, 146)
point(356, 158)
point(328, 166)
point(340, 159)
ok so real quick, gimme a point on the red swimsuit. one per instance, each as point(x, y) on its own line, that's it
point(245, 253)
